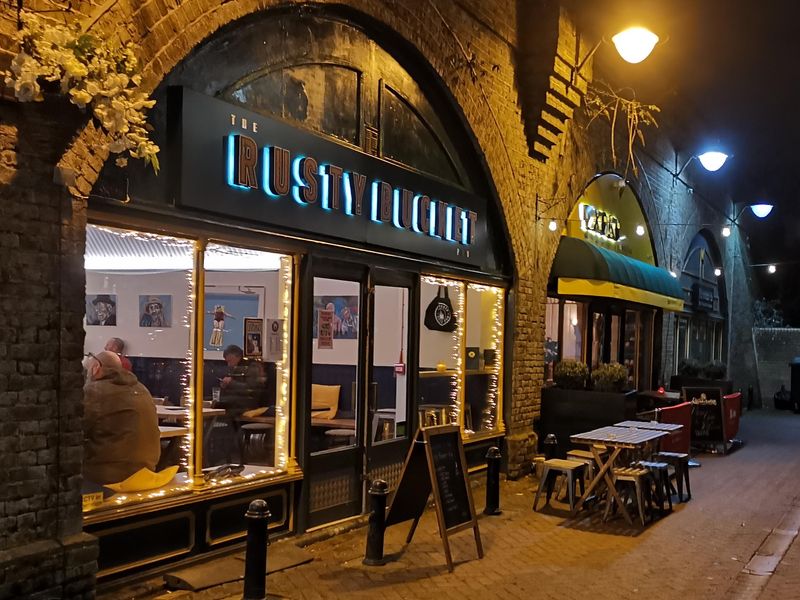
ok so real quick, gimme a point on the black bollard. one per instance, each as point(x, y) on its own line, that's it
point(550, 445)
point(255, 558)
point(492, 482)
point(378, 492)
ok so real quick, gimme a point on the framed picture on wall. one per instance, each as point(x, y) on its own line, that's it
point(224, 316)
point(155, 310)
point(101, 309)
point(253, 332)
point(344, 319)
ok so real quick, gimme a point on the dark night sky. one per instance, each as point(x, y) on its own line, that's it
point(729, 72)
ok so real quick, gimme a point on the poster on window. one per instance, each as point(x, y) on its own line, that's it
point(253, 330)
point(345, 315)
point(274, 340)
point(324, 325)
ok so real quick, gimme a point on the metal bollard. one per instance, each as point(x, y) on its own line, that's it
point(378, 492)
point(492, 482)
point(550, 445)
point(255, 558)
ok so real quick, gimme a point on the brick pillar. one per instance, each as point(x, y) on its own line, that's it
point(42, 235)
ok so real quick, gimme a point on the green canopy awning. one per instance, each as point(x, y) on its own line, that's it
point(583, 269)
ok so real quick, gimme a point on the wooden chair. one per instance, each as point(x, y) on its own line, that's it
point(572, 470)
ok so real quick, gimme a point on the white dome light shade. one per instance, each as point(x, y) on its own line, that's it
point(640, 230)
point(761, 210)
point(712, 161)
point(552, 225)
point(635, 43)
point(726, 232)
point(772, 269)
point(717, 272)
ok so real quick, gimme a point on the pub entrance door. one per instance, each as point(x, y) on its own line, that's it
point(358, 412)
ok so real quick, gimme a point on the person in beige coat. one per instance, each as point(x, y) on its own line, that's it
point(120, 426)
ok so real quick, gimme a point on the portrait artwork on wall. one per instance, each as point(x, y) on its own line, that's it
point(101, 309)
point(344, 325)
point(253, 331)
point(155, 310)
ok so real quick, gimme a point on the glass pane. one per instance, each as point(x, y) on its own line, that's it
point(550, 337)
point(440, 333)
point(631, 348)
point(574, 327)
point(321, 97)
point(645, 368)
point(137, 396)
point(389, 369)
point(615, 325)
point(246, 325)
point(598, 338)
point(334, 364)
point(483, 368)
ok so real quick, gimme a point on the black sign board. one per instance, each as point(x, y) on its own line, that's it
point(702, 297)
point(707, 417)
point(244, 165)
point(436, 463)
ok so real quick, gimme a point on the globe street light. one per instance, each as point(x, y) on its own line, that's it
point(713, 160)
point(635, 44)
point(761, 210)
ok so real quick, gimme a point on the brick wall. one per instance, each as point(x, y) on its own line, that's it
point(472, 49)
point(774, 348)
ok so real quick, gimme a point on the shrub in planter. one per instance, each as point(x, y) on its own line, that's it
point(609, 377)
point(689, 367)
point(715, 370)
point(571, 374)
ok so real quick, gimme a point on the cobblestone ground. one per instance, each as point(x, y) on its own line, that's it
point(696, 552)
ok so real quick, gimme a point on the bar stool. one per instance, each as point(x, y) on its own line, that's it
point(680, 462)
point(340, 437)
point(254, 430)
point(573, 471)
point(662, 485)
point(586, 456)
point(638, 476)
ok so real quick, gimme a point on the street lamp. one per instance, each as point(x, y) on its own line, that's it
point(713, 160)
point(761, 210)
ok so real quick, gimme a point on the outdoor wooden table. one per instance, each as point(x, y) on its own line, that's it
point(618, 438)
point(651, 425)
point(167, 431)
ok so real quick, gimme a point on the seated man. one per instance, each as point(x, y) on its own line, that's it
point(117, 346)
point(240, 390)
point(120, 426)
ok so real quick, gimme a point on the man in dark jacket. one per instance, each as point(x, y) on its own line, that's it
point(240, 390)
point(120, 426)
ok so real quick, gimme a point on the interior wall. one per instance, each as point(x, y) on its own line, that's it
point(435, 346)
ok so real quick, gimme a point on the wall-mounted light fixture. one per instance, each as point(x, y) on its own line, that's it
point(633, 44)
point(760, 210)
point(712, 160)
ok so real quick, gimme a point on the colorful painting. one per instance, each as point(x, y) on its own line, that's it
point(155, 310)
point(224, 316)
point(101, 310)
point(345, 315)
point(253, 330)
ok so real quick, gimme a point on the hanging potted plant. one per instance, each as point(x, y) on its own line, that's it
point(98, 76)
point(570, 407)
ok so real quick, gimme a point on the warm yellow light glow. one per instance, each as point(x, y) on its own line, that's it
point(635, 43)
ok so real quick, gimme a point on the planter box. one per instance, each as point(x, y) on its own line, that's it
point(567, 412)
point(677, 382)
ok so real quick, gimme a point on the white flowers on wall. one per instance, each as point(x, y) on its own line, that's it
point(94, 73)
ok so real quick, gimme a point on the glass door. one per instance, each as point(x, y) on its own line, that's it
point(334, 409)
point(389, 418)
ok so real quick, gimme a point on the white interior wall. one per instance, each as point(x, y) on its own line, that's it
point(435, 346)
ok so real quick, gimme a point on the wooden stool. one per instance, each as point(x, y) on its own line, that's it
point(572, 470)
point(338, 437)
point(663, 487)
point(251, 430)
point(638, 477)
point(680, 462)
point(586, 456)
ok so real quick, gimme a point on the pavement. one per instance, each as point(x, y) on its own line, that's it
point(742, 513)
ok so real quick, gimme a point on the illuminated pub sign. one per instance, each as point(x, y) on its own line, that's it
point(599, 222)
point(242, 164)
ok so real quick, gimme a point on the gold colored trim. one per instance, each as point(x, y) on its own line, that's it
point(199, 282)
point(606, 289)
point(447, 373)
point(472, 438)
point(235, 536)
point(293, 399)
point(150, 559)
point(103, 515)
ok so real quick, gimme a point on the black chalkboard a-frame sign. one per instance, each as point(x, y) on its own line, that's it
point(436, 463)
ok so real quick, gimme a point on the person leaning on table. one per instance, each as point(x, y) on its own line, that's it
point(120, 426)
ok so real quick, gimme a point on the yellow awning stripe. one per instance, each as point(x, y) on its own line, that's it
point(607, 289)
